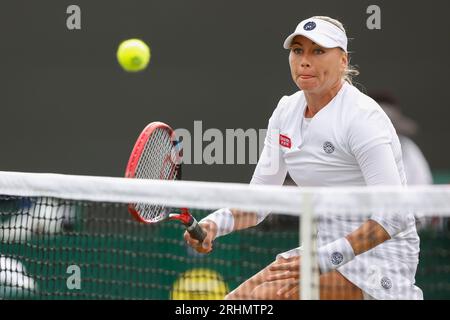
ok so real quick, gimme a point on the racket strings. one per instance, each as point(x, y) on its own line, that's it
point(155, 163)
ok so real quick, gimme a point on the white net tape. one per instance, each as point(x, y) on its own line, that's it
point(426, 200)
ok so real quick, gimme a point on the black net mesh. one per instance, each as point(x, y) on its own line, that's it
point(59, 249)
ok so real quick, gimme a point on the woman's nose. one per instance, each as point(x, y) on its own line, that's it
point(304, 63)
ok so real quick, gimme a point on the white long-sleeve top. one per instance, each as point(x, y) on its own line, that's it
point(349, 142)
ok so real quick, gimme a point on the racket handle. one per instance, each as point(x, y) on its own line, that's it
point(195, 230)
point(190, 223)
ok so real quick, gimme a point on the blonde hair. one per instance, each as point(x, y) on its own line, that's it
point(350, 71)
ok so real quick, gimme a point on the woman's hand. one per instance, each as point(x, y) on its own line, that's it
point(289, 270)
point(210, 228)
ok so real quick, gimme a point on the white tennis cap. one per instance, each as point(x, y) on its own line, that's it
point(322, 32)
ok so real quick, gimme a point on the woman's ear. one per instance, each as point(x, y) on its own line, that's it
point(344, 61)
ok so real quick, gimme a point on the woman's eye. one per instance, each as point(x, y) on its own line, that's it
point(318, 51)
point(297, 50)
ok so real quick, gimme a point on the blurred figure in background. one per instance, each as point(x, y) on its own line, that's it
point(416, 166)
point(21, 219)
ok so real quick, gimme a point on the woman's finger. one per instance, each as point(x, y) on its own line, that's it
point(284, 266)
point(288, 289)
point(282, 275)
point(204, 247)
point(189, 240)
point(293, 292)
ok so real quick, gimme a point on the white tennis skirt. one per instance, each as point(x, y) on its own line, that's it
point(378, 277)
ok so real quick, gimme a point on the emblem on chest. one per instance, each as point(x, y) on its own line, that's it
point(285, 141)
point(328, 147)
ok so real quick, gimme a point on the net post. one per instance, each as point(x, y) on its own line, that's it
point(309, 278)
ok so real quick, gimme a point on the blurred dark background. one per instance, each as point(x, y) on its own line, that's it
point(67, 107)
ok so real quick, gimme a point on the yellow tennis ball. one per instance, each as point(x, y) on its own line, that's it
point(199, 284)
point(133, 55)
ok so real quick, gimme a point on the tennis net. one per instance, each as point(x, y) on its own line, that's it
point(71, 237)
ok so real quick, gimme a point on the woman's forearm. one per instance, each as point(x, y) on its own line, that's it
point(341, 251)
point(367, 236)
point(244, 219)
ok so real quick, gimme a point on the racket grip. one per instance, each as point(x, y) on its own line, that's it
point(195, 230)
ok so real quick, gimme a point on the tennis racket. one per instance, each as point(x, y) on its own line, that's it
point(157, 154)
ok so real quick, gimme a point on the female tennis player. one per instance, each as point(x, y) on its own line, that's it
point(330, 134)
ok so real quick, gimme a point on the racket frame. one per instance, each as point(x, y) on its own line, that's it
point(184, 217)
point(136, 154)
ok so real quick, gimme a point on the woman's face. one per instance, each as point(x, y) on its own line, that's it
point(316, 69)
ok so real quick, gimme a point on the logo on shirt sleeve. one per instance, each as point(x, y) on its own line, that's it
point(386, 283)
point(285, 141)
point(337, 258)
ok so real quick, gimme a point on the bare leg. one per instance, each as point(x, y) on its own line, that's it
point(268, 290)
point(244, 291)
point(333, 286)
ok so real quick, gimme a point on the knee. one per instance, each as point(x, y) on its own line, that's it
point(230, 296)
point(236, 295)
point(265, 291)
point(258, 294)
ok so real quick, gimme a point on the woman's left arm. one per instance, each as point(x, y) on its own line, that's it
point(379, 167)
